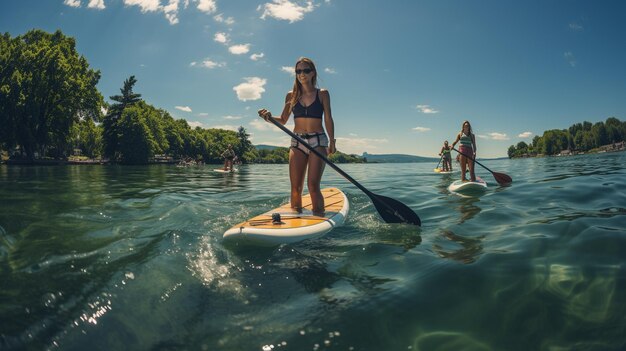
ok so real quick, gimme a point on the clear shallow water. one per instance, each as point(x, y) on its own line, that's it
point(105, 258)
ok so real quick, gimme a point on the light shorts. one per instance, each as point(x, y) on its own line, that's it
point(313, 139)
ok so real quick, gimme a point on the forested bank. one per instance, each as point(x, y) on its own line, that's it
point(51, 109)
point(578, 138)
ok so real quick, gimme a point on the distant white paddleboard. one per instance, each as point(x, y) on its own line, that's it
point(221, 170)
point(440, 171)
point(468, 187)
point(293, 226)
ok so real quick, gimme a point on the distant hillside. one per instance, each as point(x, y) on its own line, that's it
point(265, 147)
point(397, 158)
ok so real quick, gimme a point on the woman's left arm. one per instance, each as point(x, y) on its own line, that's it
point(328, 121)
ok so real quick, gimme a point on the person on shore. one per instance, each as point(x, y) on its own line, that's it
point(311, 112)
point(229, 156)
point(446, 157)
point(468, 148)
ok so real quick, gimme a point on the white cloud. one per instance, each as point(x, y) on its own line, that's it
point(96, 4)
point(251, 89)
point(569, 57)
point(171, 11)
point(221, 37)
point(203, 114)
point(219, 18)
point(330, 70)
point(285, 10)
point(426, 109)
point(260, 124)
point(494, 136)
point(421, 129)
point(525, 135)
point(288, 69)
point(183, 108)
point(576, 27)
point(194, 124)
point(145, 5)
point(232, 117)
point(72, 3)
point(256, 57)
point(239, 49)
point(208, 63)
point(207, 6)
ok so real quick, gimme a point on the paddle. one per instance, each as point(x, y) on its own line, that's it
point(437, 168)
point(392, 211)
point(501, 178)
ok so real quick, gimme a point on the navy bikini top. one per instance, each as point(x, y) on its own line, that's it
point(314, 110)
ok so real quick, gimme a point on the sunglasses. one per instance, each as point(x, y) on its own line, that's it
point(305, 71)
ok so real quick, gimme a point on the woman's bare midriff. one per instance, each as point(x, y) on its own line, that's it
point(307, 125)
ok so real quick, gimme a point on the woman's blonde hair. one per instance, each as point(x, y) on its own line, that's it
point(296, 93)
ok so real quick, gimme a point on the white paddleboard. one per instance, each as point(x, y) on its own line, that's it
point(461, 187)
point(221, 170)
point(440, 171)
point(293, 226)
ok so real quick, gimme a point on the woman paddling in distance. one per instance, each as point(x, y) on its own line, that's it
point(445, 154)
point(468, 147)
point(309, 106)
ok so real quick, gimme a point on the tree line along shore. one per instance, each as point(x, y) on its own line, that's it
point(52, 113)
point(579, 138)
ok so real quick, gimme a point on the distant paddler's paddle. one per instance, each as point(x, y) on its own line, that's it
point(392, 211)
point(437, 168)
point(501, 178)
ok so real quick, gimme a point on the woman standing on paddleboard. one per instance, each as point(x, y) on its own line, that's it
point(310, 106)
point(468, 147)
point(445, 155)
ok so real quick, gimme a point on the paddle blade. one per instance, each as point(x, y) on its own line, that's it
point(502, 179)
point(393, 211)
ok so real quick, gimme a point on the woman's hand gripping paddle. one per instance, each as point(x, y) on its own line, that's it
point(501, 178)
point(392, 211)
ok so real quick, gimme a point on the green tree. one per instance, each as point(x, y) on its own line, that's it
point(599, 134)
point(136, 143)
point(244, 145)
point(111, 133)
point(613, 129)
point(45, 88)
point(88, 138)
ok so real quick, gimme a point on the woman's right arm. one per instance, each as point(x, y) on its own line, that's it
point(284, 116)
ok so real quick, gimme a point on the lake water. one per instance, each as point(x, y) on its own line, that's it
point(131, 258)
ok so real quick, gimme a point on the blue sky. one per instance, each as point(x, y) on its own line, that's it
point(402, 75)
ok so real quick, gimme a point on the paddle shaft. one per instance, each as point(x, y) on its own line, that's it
point(392, 211)
point(439, 161)
point(322, 156)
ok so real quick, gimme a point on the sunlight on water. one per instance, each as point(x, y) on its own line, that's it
point(132, 258)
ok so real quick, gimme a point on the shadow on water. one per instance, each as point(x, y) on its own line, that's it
point(470, 248)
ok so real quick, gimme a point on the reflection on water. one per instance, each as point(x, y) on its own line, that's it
point(470, 248)
point(109, 257)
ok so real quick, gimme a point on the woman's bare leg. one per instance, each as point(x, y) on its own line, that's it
point(463, 167)
point(314, 178)
point(297, 169)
